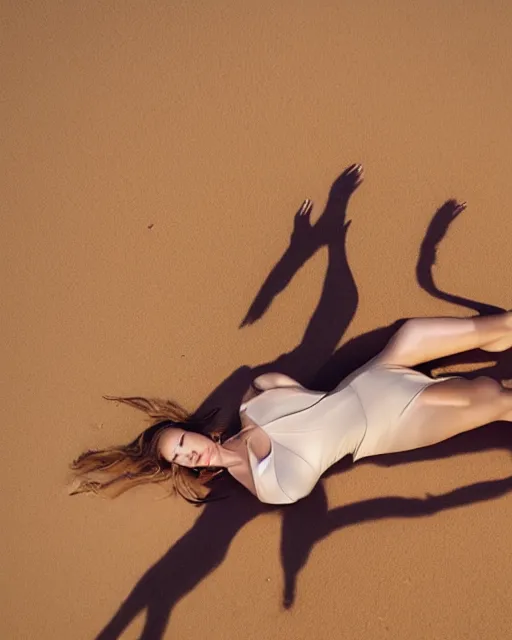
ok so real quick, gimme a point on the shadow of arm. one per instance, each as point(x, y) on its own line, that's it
point(436, 231)
point(398, 507)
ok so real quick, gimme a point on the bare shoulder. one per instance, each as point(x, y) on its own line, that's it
point(268, 381)
point(273, 380)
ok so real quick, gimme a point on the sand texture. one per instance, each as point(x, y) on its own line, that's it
point(154, 156)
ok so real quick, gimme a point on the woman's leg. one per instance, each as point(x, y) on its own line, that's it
point(423, 339)
point(446, 409)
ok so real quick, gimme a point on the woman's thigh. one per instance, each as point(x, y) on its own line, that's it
point(442, 410)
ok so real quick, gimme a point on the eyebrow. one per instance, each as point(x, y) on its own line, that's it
point(180, 444)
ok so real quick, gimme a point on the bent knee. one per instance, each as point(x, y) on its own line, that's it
point(486, 388)
point(405, 346)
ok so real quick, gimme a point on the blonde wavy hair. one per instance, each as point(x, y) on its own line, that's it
point(122, 467)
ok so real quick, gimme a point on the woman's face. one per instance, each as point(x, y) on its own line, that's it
point(188, 449)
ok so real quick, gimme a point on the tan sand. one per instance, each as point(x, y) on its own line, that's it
point(212, 121)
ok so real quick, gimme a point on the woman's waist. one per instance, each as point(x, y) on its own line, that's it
point(326, 435)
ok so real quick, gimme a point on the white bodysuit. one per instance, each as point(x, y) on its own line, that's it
point(368, 413)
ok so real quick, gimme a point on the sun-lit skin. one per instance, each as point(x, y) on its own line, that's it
point(190, 449)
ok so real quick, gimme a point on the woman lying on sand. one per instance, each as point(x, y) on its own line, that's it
point(291, 435)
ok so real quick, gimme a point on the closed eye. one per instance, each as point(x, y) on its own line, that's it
point(180, 444)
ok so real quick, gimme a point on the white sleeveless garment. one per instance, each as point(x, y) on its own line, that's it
point(309, 431)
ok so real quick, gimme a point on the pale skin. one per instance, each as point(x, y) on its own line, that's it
point(459, 405)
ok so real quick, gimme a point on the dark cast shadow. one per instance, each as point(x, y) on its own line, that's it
point(298, 533)
point(316, 363)
point(205, 545)
point(332, 316)
point(309, 520)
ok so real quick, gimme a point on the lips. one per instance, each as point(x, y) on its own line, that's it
point(205, 457)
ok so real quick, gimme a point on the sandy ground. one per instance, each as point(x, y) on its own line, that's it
point(154, 157)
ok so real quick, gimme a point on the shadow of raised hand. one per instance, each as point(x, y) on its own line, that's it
point(306, 239)
point(436, 231)
point(309, 520)
point(204, 547)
